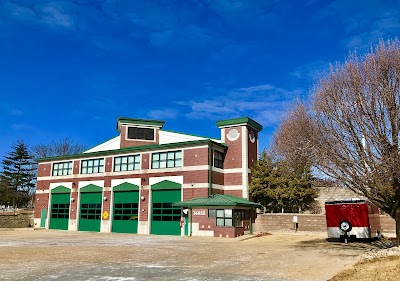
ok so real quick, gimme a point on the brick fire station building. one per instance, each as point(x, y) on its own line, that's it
point(151, 181)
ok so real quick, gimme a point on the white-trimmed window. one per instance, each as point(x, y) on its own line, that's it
point(92, 166)
point(168, 159)
point(135, 133)
point(62, 168)
point(224, 217)
point(127, 163)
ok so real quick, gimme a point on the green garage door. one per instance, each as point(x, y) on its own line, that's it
point(125, 217)
point(59, 209)
point(165, 218)
point(90, 208)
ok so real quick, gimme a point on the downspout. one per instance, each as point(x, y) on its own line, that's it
point(210, 162)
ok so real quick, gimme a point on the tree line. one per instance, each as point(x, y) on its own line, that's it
point(19, 169)
point(350, 129)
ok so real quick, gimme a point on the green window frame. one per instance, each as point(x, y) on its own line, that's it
point(127, 163)
point(60, 211)
point(224, 217)
point(92, 166)
point(170, 159)
point(126, 211)
point(238, 217)
point(166, 212)
point(90, 211)
point(218, 159)
point(62, 168)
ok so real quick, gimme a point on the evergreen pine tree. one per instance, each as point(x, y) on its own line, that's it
point(19, 172)
point(279, 187)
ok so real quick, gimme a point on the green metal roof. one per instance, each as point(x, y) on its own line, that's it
point(218, 200)
point(150, 147)
point(154, 123)
point(237, 121)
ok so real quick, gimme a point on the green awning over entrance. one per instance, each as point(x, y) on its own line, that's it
point(217, 200)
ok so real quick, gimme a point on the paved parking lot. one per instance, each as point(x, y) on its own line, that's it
point(63, 255)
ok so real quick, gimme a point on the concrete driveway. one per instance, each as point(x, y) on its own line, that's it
point(63, 255)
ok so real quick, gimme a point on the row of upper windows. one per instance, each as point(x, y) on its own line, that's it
point(160, 160)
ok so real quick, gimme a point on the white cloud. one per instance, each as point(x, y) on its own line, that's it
point(265, 103)
point(310, 71)
point(53, 14)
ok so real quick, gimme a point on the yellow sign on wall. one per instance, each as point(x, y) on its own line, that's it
point(105, 215)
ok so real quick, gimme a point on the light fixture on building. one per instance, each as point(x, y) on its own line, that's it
point(72, 199)
point(105, 198)
point(142, 198)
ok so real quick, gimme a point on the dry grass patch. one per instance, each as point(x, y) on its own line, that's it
point(387, 269)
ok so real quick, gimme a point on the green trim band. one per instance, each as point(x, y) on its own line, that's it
point(154, 123)
point(126, 186)
point(61, 189)
point(134, 149)
point(237, 121)
point(91, 188)
point(166, 184)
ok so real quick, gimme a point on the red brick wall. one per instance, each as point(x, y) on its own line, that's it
point(195, 157)
point(106, 204)
point(144, 205)
point(108, 164)
point(217, 178)
point(237, 193)
point(42, 201)
point(189, 193)
point(74, 205)
point(233, 158)
point(194, 176)
point(44, 170)
point(233, 179)
point(127, 143)
point(76, 167)
point(145, 161)
point(252, 148)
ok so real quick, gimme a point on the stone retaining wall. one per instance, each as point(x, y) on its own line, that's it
point(18, 220)
point(306, 222)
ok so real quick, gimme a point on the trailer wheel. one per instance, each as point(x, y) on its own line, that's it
point(345, 226)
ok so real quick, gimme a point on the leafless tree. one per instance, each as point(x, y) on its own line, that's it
point(61, 147)
point(292, 141)
point(356, 113)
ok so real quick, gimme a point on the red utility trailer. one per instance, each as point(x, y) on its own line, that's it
point(352, 219)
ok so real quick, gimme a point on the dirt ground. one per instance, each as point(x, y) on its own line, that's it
point(63, 255)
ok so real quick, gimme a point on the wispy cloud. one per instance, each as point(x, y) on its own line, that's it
point(16, 112)
point(364, 26)
point(21, 127)
point(266, 103)
point(310, 71)
point(53, 14)
point(163, 114)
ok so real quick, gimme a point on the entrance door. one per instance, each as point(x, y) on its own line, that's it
point(59, 212)
point(43, 218)
point(90, 211)
point(165, 218)
point(125, 214)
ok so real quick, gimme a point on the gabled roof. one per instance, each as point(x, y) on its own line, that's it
point(218, 200)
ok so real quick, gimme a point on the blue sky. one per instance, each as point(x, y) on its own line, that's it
point(71, 68)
